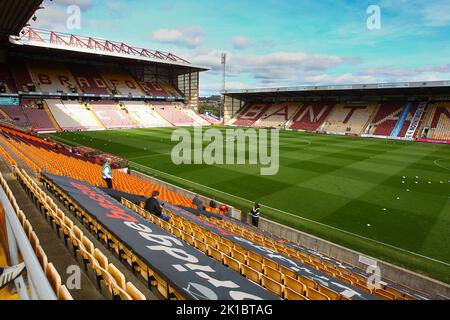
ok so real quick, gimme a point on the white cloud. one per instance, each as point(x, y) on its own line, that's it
point(437, 14)
point(184, 36)
point(83, 4)
point(240, 42)
point(278, 65)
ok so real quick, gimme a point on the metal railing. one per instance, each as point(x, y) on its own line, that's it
point(18, 243)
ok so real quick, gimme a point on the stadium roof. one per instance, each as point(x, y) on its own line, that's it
point(400, 88)
point(14, 15)
point(69, 43)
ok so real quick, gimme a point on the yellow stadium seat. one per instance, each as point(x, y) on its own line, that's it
point(201, 246)
point(67, 228)
point(362, 287)
point(175, 295)
point(313, 294)
point(287, 272)
point(42, 257)
point(34, 241)
point(232, 263)
point(333, 295)
point(211, 241)
point(239, 256)
point(290, 294)
point(383, 294)
point(270, 263)
point(307, 282)
point(54, 278)
point(273, 274)
point(162, 286)
point(345, 278)
point(254, 264)
point(188, 238)
point(224, 248)
point(64, 294)
point(199, 235)
point(254, 256)
point(273, 286)
point(394, 291)
point(294, 284)
point(176, 232)
point(214, 253)
point(250, 273)
point(134, 293)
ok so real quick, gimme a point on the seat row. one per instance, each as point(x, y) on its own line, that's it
point(50, 271)
point(106, 274)
point(355, 279)
point(277, 279)
point(114, 244)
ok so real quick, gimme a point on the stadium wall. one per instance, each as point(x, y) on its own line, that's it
point(437, 289)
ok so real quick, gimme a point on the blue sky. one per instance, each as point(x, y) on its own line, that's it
point(272, 43)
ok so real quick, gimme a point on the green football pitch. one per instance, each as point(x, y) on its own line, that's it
point(387, 199)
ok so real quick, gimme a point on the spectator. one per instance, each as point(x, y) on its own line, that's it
point(55, 148)
point(107, 173)
point(153, 206)
point(8, 275)
point(197, 202)
point(213, 204)
point(224, 209)
point(255, 213)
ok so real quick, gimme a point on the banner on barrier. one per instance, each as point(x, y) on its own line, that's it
point(188, 270)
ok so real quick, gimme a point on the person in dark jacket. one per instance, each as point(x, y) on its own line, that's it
point(153, 206)
point(255, 213)
point(197, 202)
point(213, 204)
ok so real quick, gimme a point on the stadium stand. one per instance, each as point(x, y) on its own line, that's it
point(311, 116)
point(249, 115)
point(73, 116)
point(52, 274)
point(6, 80)
point(52, 77)
point(352, 119)
point(17, 115)
point(112, 116)
point(275, 277)
point(171, 90)
point(410, 110)
point(40, 120)
point(21, 75)
point(89, 80)
point(277, 115)
point(153, 89)
point(199, 120)
point(108, 277)
point(386, 118)
point(121, 81)
point(173, 114)
point(439, 124)
point(144, 115)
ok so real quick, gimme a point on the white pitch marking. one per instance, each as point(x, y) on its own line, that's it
point(300, 218)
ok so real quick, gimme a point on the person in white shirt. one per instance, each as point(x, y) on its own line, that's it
point(107, 173)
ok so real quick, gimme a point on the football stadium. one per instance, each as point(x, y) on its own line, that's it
point(358, 207)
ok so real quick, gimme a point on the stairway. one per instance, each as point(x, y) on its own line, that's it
point(401, 120)
point(416, 121)
point(52, 118)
